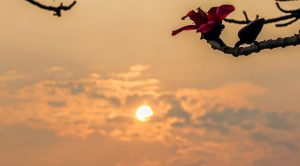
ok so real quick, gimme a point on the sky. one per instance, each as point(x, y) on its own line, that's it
point(70, 87)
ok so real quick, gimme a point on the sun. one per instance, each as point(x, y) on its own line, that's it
point(144, 113)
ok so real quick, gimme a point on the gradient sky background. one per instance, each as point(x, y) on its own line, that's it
point(69, 88)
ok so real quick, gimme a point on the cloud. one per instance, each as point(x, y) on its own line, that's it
point(134, 72)
point(200, 126)
point(274, 142)
point(176, 111)
point(223, 121)
point(37, 146)
point(57, 103)
point(259, 137)
point(77, 107)
point(278, 121)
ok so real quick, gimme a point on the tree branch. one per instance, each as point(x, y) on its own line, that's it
point(268, 21)
point(288, 23)
point(285, 0)
point(295, 14)
point(57, 10)
point(268, 44)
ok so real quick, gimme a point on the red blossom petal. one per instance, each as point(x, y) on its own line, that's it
point(200, 18)
point(189, 14)
point(212, 14)
point(223, 11)
point(207, 27)
point(202, 14)
point(185, 28)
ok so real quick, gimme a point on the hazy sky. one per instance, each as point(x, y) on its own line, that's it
point(70, 86)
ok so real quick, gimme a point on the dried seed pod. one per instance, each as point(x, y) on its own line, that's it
point(249, 33)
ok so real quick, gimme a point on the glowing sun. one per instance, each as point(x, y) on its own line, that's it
point(144, 113)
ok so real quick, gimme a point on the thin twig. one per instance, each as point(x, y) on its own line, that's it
point(246, 16)
point(290, 14)
point(288, 23)
point(285, 0)
point(268, 21)
point(286, 11)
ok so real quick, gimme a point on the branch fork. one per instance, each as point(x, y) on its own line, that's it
point(57, 10)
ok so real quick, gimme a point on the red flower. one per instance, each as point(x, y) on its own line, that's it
point(206, 22)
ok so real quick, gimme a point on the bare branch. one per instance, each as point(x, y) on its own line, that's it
point(246, 16)
point(284, 10)
point(268, 44)
point(285, 0)
point(268, 21)
point(288, 23)
point(57, 10)
point(249, 33)
point(290, 14)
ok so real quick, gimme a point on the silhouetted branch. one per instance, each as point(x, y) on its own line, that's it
point(288, 23)
point(247, 34)
point(268, 44)
point(57, 10)
point(286, 11)
point(291, 14)
point(285, 0)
